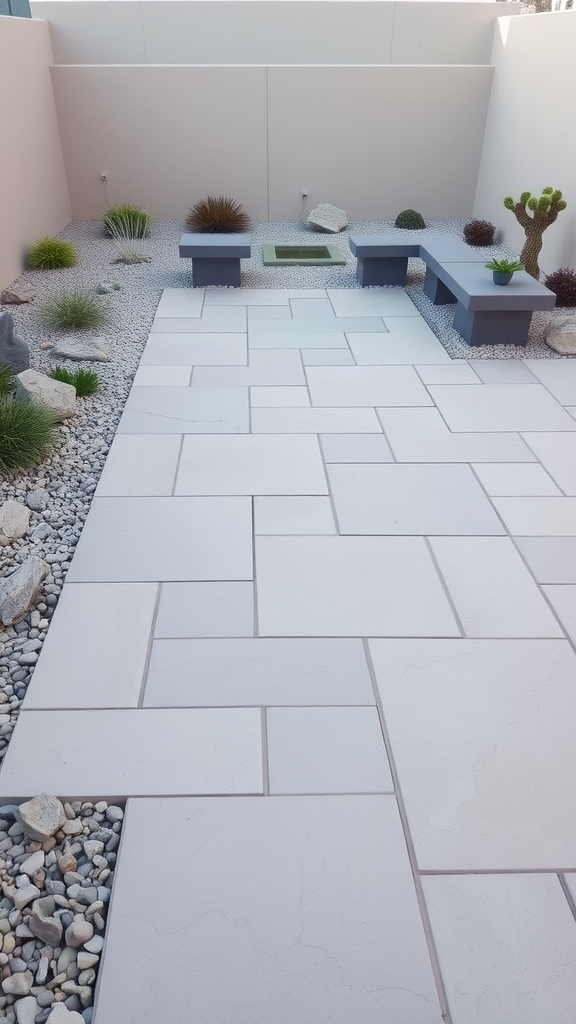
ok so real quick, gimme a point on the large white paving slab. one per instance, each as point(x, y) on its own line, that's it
point(210, 410)
point(409, 340)
point(271, 368)
point(493, 592)
point(181, 302)
point(158, 376)
point(315, 421)
point(502, 371)
point(195, 349)
point(538, 517)
point(259, 296)
point(557, 453)
point(515, 478)
point(454, 372)
point(365, 385)
point(205, 610)
point(349, 586)
point(296, 339)
point(563, 601)
point(481, 732)
point(288, 915)
point(550, 559)
point(355, 448)
point(251, 464)
point(95, 652)
point(557, 375)
point(293, 514)
point(317, 309)
point(269, 312)
point(327, 357)
point(221, 319)
point(500, 407)
point(146, 539)
point(327, 750)
point(421, 435)
point(262, 671)
point(136, 752)
point(140, 464)
point(272, 397)
point(263, 330)
point(387, 301)
point(506, 946)
point(410, 499)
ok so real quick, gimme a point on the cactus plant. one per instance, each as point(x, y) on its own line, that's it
point(544, 212)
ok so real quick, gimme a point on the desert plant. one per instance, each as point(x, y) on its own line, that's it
point(27, 433)
point(48, 253)
point(86, 382)
point(505, 266)
point(545, 211)
point(479, 232)
point(6, 380)
point(563, 283)
point(73, 310)
point(410, 219)
point(127, 220)
point(218, 215)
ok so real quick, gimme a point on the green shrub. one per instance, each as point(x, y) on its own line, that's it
point(86, 382)
point(73, 310)
point(48, 253)
point(218, 215)
point(127, 221)
point(6, 380)
point(410, 219)
point(27, 432)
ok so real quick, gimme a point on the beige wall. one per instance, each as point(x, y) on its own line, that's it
point(270, 31)
point(33, 191)
point(370, 139)
point(530, 139)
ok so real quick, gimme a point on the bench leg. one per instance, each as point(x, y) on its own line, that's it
point(381, 270)
point(493, 327)
point(436, 290)
point(221, 270)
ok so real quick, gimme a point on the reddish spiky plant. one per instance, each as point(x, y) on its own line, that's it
point(218, 215)
point(563, 283)
point(479, 232)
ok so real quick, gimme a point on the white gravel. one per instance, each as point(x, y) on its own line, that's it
point(71, 474)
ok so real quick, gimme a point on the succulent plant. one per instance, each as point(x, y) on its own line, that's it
point(479, 232)
point(544, 212)
point(504, 266)
point(410, 219)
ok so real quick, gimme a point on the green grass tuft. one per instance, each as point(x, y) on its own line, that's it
point(127, 221)
point(86, 382)
point(49, 253)
point(6, 380)
point(73, 310)
point(27, 433)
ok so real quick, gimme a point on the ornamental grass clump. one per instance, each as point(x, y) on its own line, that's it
point(479, 232)
point(73, 310)
point(50, 253)
point(86, 382)
point(410, 219)
point(563, 284)
point(126, 220)
point(27, 433)
point(6, 380)
point(218, 215)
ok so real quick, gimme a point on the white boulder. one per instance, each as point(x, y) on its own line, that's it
point(59, 398)
point(14, 521)
point(326, 217)
point(560, 335)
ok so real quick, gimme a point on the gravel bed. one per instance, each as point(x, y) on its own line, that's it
point(67, 480)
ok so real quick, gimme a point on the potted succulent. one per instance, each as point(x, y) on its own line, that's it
point(502, 270)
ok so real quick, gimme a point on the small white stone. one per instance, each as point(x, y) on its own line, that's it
point(33, 863)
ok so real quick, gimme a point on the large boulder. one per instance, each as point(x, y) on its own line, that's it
point(13, 351)
point(560, 335)
point(326, 217)
point(91, 349)
point(56, 396)
point(19, 591)
point(14, 521)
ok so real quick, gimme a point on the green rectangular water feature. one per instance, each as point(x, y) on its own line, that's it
point(302, 255)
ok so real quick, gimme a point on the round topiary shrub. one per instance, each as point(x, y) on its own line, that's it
point(410, 219)
point(479, 232)
point(217, 215)
point(126, 220)
point(50, 253)
point(563, 283)
point(27, 431)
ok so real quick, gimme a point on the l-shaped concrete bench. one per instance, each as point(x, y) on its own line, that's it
point(486, 314)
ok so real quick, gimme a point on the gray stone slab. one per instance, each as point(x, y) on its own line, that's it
point(224, 245)
point(205, 610)
point(166, 410)
point(474, 288)
point(551, 559)
point(355, 448)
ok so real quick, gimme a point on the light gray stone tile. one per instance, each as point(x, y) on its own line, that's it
point(251, 464)
point(408, 340)
point(370, 302)
point(205, 610)
point(262, 329)
point(181, 302)
point(420, 435)
point(301, 514)
point(500, 407)
point(327, 750)
point(356, 448)
point(163, 376)
point(152, 539)
point(558, 376)
point(313, 421)
point(538, 517)
point(269, 312)
point(209, 410)
point(410, 499)
point(259, 296)
point(311, 309)
point(221, 319)
point(147, 752)
point(557, 453)
point(270, 368)
point(366, 386)
point(551, 559)
point(502, 371)
point(563, 601)
point(195, 350)
point(296, 339)
point(258, 672)
point(453, 372)
point(266, 919)
point(327, 357)
point(272, 397)
point(515, 478)
point(95, 652)
point(140, 464)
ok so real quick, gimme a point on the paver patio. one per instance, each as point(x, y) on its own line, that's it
point(330, 581)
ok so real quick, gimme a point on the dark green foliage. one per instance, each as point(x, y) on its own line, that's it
point(479, 232)
point(504, 266)
point(563, 283)
point(27, 433)
point(410, 219)
point(218, 215)
point(48, 253)
point(6, 380)
point(73, 310)
point(86, 382)
point(127, 221)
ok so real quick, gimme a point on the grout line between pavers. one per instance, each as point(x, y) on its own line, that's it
point(568, 894)
point(444, 586)
point(146, 665)
point(265, 753)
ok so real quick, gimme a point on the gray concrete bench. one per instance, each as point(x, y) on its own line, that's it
point(215, 258)
point(486, 314)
